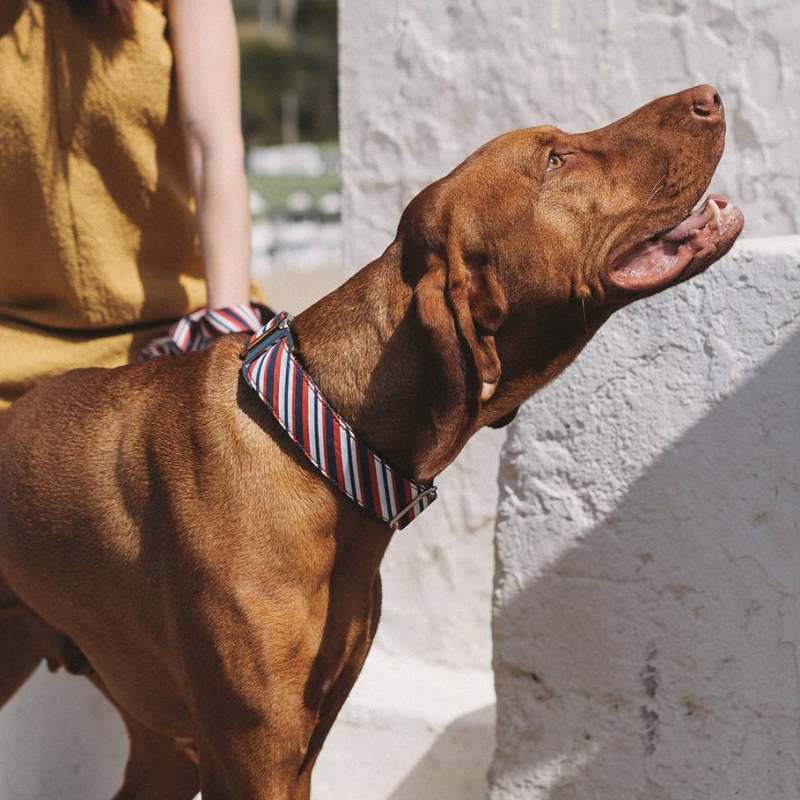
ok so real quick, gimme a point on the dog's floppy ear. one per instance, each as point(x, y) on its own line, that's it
point(460, 305)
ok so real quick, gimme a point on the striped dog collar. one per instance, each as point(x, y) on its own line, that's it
point(328, 442)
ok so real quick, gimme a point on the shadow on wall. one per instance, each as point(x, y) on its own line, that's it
point(656, 657)
point(442, 771)
point(63, 740)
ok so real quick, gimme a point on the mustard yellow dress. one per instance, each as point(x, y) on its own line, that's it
point(98, 251)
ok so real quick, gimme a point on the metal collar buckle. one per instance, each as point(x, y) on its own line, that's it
point(267, 336)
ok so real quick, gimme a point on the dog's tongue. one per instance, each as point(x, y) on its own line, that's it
point(696, 220)
point(656, 262)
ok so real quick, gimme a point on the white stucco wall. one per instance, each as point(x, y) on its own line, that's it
point(648, 551)
point(425, 83)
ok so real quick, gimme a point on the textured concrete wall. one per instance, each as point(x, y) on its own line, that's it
point(648, 551)
point(425, 83)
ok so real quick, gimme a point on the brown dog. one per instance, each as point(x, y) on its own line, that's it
point(165, 537)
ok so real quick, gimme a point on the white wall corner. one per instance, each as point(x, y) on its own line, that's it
point(648, 550)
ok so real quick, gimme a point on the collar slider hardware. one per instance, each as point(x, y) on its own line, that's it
point(276, 329)
point(429, 492)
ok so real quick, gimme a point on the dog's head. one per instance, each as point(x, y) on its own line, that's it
point(523, 251)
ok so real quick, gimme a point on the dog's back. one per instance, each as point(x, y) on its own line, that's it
point(123, 483)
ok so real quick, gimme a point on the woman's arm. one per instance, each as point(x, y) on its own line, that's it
point(204, 41)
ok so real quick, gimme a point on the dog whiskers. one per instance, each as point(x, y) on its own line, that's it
point(656, 189)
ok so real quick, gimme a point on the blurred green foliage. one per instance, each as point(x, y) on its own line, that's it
point(289, 58)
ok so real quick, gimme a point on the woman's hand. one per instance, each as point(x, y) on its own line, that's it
point(206, 51)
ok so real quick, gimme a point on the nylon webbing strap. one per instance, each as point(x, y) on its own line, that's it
point(271, 368)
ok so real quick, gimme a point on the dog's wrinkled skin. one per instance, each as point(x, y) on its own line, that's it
point(164, 537)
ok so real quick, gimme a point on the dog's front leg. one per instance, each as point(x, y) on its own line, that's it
point(245, 663)
point(251, 748)
point(159, 767)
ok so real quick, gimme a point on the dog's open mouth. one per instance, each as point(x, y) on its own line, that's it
point(680, 252)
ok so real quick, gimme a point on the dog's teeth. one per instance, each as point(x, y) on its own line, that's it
point(715, 213)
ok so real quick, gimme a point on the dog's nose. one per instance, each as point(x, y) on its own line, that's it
point(706, 103)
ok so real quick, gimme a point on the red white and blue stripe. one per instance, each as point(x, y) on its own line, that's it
point(271, 368)
point(197, 330)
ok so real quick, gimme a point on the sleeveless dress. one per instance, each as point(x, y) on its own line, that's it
point(98, 250)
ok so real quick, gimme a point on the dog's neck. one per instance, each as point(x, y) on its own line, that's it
point(361, 346)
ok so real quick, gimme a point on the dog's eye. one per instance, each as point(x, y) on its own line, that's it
point(554, 162)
